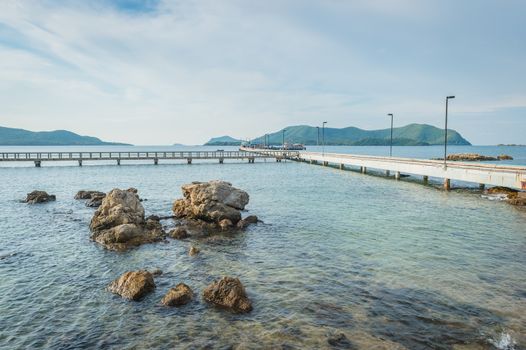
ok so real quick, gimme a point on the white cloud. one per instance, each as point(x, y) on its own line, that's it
point(197, 69)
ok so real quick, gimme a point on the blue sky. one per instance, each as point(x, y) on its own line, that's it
point(160, 72)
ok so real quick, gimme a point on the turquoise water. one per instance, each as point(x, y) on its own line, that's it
point(388, 264)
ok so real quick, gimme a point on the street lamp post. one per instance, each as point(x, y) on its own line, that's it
point(318, 137)
point(323, 138)
point(445, 131)
point(283, 140)
point(391, 144)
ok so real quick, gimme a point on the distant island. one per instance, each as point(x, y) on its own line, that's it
point(409, 135)
point(21, 137)
point(223, 141)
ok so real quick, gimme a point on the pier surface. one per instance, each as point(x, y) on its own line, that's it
point(39, 157)
point(484, 174)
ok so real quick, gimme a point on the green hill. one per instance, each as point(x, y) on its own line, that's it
point(223, 141)
point(21, 137)
point(409, 135)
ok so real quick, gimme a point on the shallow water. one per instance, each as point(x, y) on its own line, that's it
point(388, 264)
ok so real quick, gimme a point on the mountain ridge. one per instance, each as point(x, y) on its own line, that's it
point(23, 137)
point(408, 135)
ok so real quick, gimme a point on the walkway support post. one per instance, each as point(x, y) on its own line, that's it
point(80, 162)
point(118, 162)
point(397, 175)
point(426, 179)
point(155, 161)
point(447, 184)
point(221, 160)
point(38, 163)
point(189, 160)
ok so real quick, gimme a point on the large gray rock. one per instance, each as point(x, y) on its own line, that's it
point(119, 223)
point(211, 201)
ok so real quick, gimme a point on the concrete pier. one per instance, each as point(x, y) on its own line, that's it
point(397, 175)
point(80, 162)
point(188, 160)
point(426, 179)
point(38, 163)
point(511, 176)
point(155, 161)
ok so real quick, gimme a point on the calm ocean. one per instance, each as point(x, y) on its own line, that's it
point(342, 260)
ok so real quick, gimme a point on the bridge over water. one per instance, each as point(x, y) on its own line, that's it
point(483, 174)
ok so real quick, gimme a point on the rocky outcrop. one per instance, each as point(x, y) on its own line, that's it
point(119, 223)
point(501, 190)
point(211, 202)
point(229, 293)
point(39, 197)
point(133, 285)
point(180, 295)
point(208, 207)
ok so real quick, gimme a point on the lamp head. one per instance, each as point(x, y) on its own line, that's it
point(450, 97)
point(390, 114)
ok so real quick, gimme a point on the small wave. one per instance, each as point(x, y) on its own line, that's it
point(504, 342)
point(496, 197)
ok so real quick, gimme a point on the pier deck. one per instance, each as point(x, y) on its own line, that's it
point(484, 174)
point(189, 156)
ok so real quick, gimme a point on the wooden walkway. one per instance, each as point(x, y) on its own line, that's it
point(155, 157)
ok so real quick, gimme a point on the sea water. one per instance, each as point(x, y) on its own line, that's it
point(341, 260)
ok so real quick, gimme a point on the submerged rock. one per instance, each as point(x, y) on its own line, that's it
point(502, 190)
point(133, 285)
point(504, 157)
point(157, 272)
point(178, 233)
point(211, 201)
point(193, 251)
point(119, 222)
point(84, 194)
point(180, 295)
point(251, 219)
point(229, 293)
point(39, 197)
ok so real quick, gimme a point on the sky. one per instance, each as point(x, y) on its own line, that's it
point(152, 72)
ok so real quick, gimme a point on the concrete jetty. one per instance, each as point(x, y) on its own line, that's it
point(482, 174)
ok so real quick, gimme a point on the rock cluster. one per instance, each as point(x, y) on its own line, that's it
point(474, 157)
point(133, 285)
point(212, 205)
point(94, 197)
point(119, 222)
point(39, 197)
point(228, 292)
